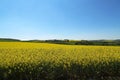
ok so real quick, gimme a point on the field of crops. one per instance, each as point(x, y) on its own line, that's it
point(42, 61)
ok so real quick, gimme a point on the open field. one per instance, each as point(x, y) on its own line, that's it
point(42, 61)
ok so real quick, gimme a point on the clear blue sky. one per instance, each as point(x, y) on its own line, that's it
point(60, 19)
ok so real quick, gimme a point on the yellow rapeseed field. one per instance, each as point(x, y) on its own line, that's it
point(43, 61)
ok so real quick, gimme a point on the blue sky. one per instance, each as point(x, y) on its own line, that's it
point(60, 19)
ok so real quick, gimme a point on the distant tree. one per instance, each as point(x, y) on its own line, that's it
point(84, 42)
point(66, 40)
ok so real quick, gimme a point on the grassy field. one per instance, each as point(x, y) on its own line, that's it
point(42, 61)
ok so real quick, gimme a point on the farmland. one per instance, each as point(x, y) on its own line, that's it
point(43, 61)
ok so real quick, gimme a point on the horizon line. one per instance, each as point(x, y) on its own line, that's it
point(57, 39)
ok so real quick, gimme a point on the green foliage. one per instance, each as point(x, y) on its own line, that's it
point(81, 42)
point(69, 42)
point(8, 40)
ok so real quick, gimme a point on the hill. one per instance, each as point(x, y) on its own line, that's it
point(8, 40)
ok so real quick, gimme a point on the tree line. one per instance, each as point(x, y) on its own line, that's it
point(81, 42)
point(69, 42)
